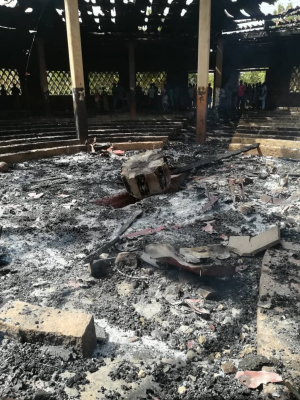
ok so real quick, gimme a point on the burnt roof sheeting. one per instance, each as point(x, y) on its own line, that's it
point(130, 14)
point(288, 21)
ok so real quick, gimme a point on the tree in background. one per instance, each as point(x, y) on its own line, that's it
point(281, 9)
point(253, 77)
point(193, 78)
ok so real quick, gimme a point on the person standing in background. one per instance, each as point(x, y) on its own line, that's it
point(3, 99)
point(191, 95)
point(16, 94)
point(115, 93)
point(264, 93)
point(121, 94)
point(209, 95)
point(104, 100)
point(165, 100)
point(257, 96)
point(171, 98)
point(155, 97)
point(97, 100)
point(139, 97)
point(253, 96)
point(151, 95)
point(241, 96)
point(176, 98)
point(248, 95)
point(3, 91)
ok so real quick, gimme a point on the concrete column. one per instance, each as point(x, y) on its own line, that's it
point(203, 68)
point(218, 72)
point(43, 75)
point(76, 67)
point(132, 79)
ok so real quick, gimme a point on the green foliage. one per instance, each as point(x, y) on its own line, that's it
point(9, 77)
point(144, 80)
point(253, 77)
point(193, 78)
point(211, 79)
point(281, 9)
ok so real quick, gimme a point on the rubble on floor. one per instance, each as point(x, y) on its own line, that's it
point(162, 332)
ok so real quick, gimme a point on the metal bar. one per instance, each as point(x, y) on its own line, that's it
point(212, 159)
point(218, 72)
point(131, 57)
point(43, 75)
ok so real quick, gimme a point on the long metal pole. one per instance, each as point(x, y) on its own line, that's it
point(218, 72)
point(131, 57)
point(43, 75)
point(76, 67)
point(203, 68)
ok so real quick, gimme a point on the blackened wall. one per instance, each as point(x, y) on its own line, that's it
point(285, 56)
point(176, 57)
point(279, 54)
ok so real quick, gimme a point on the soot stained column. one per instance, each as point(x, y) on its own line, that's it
point(76, 67)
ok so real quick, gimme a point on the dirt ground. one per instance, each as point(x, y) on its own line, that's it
point(150, 345)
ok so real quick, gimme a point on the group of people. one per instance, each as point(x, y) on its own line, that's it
point(120, 98)
point(173, 98)
point(101, 100)
point(5, 103)
point(192, 91)
point(252, 96)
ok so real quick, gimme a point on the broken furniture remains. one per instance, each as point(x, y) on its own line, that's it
point(205, 260)
point(201, 261)
point(123, 199)
point(247, 246)
point(146, 174)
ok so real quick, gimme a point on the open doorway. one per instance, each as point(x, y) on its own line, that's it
point(253, 76)
point(254, 89)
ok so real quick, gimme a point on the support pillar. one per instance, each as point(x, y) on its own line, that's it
point(203, 68)
point(76, 67)
point(132, 79)
point(43, 75)
point(218, 72)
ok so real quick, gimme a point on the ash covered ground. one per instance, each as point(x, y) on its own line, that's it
point(149, 347)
